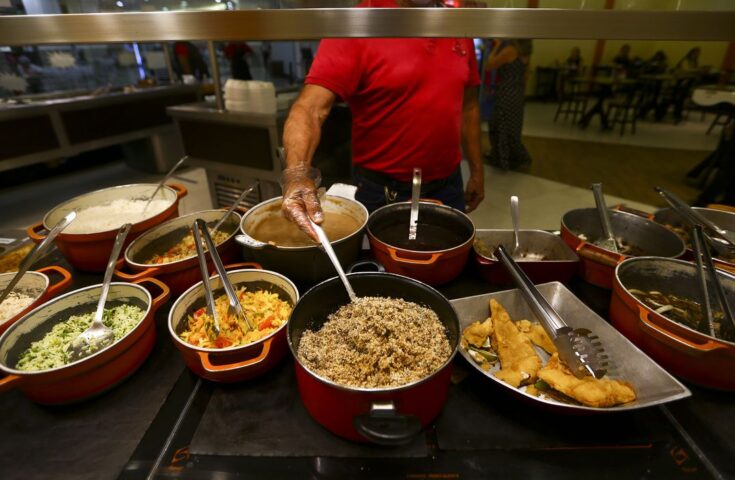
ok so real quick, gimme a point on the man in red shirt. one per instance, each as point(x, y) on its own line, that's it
point(413, 102)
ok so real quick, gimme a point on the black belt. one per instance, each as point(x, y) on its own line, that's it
point(400, 186)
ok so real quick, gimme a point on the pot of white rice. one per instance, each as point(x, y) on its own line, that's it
point(87, 242)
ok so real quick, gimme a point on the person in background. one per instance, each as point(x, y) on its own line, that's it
point(510, 59)
point(574, 62)
point(690, 61)
point(413, 103)
point(657, 64)
point(188, 60)
point(238, 53)
point(622, 60)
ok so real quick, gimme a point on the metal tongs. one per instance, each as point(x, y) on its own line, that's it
point(234, 308)
point(608, 238)
point(415, 194)
point(704, 262)
point(578, 348)
point(36, 252)
point(693, 217)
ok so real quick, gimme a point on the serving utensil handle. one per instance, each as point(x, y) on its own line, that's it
point(116, 249)
point(607, 230)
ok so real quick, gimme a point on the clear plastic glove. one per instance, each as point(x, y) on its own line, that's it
point(300, 197)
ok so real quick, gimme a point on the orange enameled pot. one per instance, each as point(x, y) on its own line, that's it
point(90, 252)
point(91, 375)
point(232, 364)
point(184, 273)
point(37, 285)
point(683, 351)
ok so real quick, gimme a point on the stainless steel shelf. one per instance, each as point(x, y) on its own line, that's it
point(302, 24)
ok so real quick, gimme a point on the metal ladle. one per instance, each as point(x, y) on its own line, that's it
point(34, 254)
point(234, 206)
point(608, 241)
point(164, 180)
point(98, 335)
point(515, 218)
point(415, 194)
point(335, 261)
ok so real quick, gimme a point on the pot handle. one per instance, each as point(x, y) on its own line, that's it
point(162, 297)
point(431, 200)
point(62, 284)
point(34, 232)
point(133, 277)
point(386, 427)
point(610, 260)
point(482, 260)
point(634, 211)
point(366, 266)
point(412, 261)
point(211, 368)
point(181, 190)
point(237, 266)
point(671, 339)
point(9, 382)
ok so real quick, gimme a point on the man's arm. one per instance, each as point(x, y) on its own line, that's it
point(475, 191)
point(301, 136)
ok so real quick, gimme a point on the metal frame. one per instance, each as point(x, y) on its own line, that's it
point(303, 24)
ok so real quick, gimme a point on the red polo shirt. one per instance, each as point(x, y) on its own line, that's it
point(406, 98)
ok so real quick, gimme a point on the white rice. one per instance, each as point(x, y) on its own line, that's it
point(113, 215)
point(14, 303)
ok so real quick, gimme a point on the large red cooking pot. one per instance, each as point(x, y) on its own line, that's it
point(37, 285)
point(381, 415)
point(439, 253)
point(683, 351)
point(90, 252)
point(184, 273)
point(645, 237)
point(91, 375)
point(232, 364)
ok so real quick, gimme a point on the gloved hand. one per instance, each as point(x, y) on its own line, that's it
point(300, 200)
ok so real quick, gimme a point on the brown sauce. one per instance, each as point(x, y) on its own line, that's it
point(277, 230)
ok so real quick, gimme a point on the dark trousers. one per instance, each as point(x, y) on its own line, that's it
point(375, 190)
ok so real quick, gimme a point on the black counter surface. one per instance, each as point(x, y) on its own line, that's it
point(165, 422)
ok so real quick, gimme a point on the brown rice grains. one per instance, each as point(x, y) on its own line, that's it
point(376, 342)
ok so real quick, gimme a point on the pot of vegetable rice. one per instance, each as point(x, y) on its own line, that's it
point(237, 353)
point(87, 242)
point(31, 291)
point(33, 350)
point(377, 369)
point(167, 251)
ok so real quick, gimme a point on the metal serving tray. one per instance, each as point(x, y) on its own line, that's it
point(653, 384)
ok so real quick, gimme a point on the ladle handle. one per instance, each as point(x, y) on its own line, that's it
point(203, 268)
point(116, 249)
point(164, 179)
point(333, 257)
point(414, 214)
point(36, 252)
point(234, 206)
point(607, 230)
point(552, 323)
point(515, 218)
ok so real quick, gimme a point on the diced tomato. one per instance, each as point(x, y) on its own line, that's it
point(267, 323)
point(222, 342)
point(199, 312)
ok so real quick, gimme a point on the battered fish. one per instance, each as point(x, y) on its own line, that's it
point(477, 332)
point(588, 390)
point(518, 359)
point(536, 333)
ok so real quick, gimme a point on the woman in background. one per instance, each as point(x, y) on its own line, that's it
point(574, 62)
point(510, 60)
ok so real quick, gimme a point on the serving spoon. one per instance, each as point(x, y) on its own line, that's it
point(608, 241)
point(234, 206)
point(99, 335)
point(234, 307)
point(164, 180)
point(415, 194)
point(335, 261)
point(515, 218)
point(36, 252)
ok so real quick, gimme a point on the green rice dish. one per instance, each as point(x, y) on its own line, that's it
point(50, 351)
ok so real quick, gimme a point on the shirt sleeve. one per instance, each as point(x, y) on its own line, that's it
point(473, 79)
point(336, 66)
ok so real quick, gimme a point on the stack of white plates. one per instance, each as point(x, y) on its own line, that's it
point(250, 96)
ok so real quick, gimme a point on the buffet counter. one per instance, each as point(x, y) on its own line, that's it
point(165, 421)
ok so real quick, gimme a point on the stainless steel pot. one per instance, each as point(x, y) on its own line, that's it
point(304, 265)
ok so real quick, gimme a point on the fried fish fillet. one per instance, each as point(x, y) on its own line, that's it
point(477, 332)
point(536, 333)
point(518, 359)
point(587, 390)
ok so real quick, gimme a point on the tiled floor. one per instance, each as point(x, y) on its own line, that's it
point(688, 135)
